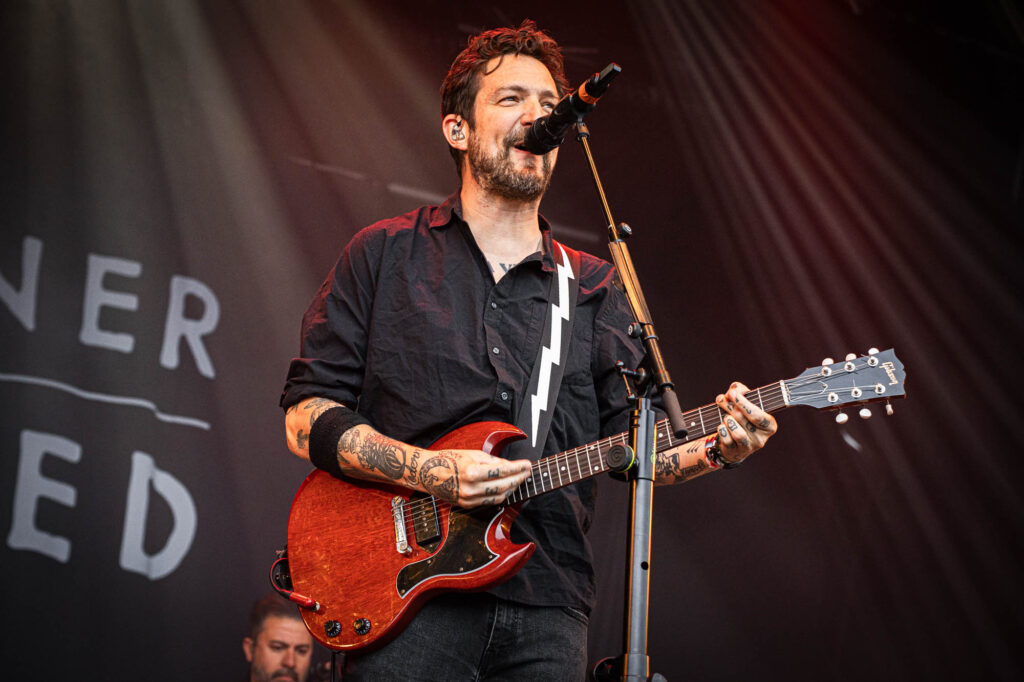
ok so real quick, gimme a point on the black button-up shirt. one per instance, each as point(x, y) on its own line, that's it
point(411, 330)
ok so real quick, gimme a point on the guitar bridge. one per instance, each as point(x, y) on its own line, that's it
point(401, 539)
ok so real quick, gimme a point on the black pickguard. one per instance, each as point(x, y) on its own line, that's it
point(464, 550)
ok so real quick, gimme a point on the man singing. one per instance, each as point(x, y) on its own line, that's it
point(432, 320)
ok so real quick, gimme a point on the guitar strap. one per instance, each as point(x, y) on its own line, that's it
point(538, 403)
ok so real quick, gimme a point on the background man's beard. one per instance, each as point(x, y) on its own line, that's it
point(497, 173)
point(263, 675)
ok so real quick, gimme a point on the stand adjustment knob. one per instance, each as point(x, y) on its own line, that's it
point(620, 457)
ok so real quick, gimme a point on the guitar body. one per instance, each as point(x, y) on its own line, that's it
point(342, 549)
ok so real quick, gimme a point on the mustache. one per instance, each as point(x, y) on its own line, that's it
point(514, 139)
point(291, 674)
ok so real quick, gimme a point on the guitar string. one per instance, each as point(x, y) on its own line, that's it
point(421, 508)
point(417, 509)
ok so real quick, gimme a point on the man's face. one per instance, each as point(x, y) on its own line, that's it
point(510, 99)
point(282, 651)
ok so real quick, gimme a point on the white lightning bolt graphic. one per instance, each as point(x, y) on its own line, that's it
point(552, 351)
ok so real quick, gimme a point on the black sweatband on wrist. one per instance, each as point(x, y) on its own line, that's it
point(327, 430)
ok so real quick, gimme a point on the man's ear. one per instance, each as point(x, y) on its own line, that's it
point(456, 131)
point(247, 648)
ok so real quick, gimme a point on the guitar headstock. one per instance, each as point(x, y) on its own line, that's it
point(855, 381)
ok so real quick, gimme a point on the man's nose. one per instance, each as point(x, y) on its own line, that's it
point(533, 110)
point(288, 660)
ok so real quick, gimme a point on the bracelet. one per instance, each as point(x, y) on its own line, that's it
point(713, 454)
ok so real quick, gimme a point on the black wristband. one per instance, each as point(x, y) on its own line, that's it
point(324, 436)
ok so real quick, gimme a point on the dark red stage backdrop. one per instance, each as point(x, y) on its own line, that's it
point(805, 179)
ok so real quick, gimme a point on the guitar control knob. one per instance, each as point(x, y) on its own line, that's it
point(332, 628)
point(865, 413)
point(842, 418)
point(361, 626)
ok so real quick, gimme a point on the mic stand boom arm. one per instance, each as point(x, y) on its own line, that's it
point(623, 262)
point(634, 664)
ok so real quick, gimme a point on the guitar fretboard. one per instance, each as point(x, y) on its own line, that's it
point(582, 462)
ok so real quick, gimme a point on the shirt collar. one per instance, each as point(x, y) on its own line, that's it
point(451, 210)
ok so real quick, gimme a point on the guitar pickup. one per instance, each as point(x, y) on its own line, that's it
point(401, 539)
point(425, 522)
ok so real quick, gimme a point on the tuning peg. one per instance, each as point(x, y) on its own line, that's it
point(865, 413)
point(827, 361)
point(872, 351)
point(851, 356)
point(842, 418)
point(888, 408)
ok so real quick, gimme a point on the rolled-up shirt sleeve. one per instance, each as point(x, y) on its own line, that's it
point(335, 327)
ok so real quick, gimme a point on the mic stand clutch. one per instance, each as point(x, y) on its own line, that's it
point(634, 664)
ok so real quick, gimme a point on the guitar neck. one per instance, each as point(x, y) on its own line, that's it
point(576, 464)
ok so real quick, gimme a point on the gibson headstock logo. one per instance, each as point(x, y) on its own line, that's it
point(890, 369)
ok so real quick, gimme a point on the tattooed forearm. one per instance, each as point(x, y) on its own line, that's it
point(670, 467)
point(316, 407)
point(413, 467)
point(440, 477)
point(696, 469)
point(666, 467)
point(378, 453)
point(361, 447)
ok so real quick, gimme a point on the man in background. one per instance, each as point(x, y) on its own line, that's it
point(279, 647)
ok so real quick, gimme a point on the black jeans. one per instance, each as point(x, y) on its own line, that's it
point(470, 637)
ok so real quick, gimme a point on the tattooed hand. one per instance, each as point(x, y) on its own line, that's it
point(471, 478)
point(746, 427)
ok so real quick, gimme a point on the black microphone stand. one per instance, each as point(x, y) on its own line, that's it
point(634, 663)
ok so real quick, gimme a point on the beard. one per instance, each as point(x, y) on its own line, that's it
point(497, 172)
point(261, 674)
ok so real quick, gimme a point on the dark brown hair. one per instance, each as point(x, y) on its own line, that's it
point(461, 85)
point(272, 604)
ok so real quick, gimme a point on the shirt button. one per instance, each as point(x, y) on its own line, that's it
point(504, 395)
point(494, 306)
point(495, 350)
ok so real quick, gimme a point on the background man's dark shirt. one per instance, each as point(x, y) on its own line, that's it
point(412, 331)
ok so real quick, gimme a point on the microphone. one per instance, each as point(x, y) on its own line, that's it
point(548, 132)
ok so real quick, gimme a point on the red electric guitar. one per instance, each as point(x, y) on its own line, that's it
point(370, 554)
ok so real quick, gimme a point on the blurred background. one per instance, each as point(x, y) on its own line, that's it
point(804, 179)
